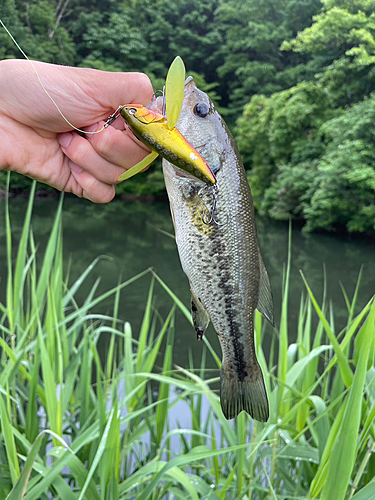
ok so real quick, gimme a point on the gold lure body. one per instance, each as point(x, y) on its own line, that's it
point(151, 128)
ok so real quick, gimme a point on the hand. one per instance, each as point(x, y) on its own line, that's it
point(37, 142)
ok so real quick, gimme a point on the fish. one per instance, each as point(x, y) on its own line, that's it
point(218, 247)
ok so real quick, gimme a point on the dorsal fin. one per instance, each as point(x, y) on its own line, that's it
point(265, 301)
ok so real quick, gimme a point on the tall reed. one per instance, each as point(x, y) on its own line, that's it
point(77, 424)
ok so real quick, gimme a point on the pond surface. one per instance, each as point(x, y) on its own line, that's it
point(130, 237)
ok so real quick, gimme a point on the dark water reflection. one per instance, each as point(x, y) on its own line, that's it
point(126, 234)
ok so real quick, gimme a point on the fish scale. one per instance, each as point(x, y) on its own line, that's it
point(221, 259)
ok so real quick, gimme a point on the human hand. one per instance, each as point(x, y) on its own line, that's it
point(37, 142)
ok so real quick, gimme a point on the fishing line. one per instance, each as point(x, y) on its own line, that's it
point(43, 87)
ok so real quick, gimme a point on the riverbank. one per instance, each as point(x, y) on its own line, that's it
point(46, 192)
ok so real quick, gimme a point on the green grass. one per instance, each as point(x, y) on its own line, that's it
point(79, 425)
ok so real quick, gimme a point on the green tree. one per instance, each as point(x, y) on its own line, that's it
point(343, 193)
point(253, 31)
point(37, 27)
point(275, 134)
point(111, 41)
point(342, 41)
point(310, 148)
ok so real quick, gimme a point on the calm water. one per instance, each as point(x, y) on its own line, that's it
point(127, 235)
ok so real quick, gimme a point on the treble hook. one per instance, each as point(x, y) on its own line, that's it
point(208, 216)
point(156, 94)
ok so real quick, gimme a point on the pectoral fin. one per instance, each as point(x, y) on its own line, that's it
point(200, 316)
point(265, 301)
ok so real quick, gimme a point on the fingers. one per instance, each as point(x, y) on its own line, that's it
point(105, 156)
point(97, 161)
point(84, 185)
point(118, 147)
point(89, 187)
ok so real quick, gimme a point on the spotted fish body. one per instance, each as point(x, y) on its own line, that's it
point(218, 247)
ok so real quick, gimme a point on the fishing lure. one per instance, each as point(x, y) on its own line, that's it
point(152, 129)
point(159, 132)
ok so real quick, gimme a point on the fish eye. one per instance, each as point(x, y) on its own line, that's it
point(132, 111)
point(201, 109)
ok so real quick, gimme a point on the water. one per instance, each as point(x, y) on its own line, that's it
point(127, 235)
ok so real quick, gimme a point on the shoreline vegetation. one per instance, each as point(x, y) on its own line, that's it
point(77, 423)
point(42, 192)
point(294, 83)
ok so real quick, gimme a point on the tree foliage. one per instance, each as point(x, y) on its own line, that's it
point(343, 191)
point(252, 34)
point(296, 75)
point(310, 149)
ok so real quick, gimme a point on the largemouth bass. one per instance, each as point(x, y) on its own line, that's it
point(217, 242)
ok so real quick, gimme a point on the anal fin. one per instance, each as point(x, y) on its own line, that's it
point(200, 316)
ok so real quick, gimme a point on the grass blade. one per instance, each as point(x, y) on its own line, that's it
point(10, 446)
point(344, 451)
point(19, 488)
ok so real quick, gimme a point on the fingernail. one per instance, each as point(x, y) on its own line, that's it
point(76, 169)
point(64, 139)
point(91, 128)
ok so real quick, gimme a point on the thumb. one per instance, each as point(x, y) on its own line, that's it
point(114, 89)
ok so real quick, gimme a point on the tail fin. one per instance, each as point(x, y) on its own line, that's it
point(249, 395)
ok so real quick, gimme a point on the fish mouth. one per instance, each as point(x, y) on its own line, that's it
point(189, 85)
point(184, 175)
point(220, 156)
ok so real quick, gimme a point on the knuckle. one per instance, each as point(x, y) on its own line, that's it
point(103, 195)
point(103, 142)
point(97, 191)
point(144, 81)
point(144, 86)
point(91, 184)
point(80, 151)
point(109, 195)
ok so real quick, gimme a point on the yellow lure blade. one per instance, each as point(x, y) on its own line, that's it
point(174, 91)
point(138, 167)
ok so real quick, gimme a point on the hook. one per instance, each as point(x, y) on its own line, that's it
point(208, 216)
point(156, 94)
